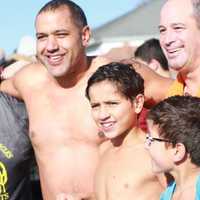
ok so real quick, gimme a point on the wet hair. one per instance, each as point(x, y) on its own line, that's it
point(151, 49)
point(196, 11)
point(77, 13)
point(128, 82)
point(178, 120)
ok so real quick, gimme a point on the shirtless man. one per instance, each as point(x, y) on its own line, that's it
point(115, 92)
point(64, 136)
point(180, 40)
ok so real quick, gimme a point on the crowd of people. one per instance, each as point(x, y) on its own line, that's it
point(88, 141)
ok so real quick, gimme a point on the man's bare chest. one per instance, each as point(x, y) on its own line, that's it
point(61, 115)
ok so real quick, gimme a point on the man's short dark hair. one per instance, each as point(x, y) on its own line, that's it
point(151, 49)
point(178, 120)
point(77, 13)
point(128, 82)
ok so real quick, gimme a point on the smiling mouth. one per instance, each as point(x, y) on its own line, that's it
point(55, 60)
point(106, 126)
point(173, 52)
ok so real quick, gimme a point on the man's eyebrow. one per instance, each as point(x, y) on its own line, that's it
point(173, 24)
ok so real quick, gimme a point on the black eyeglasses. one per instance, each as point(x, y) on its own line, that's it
point(150, 139)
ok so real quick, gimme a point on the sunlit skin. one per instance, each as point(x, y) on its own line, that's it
point(60, 43)
point(124, 171)
point(158, 151)
point(180, 41)
point(174, 160)
point(179, 35)
point(112, 112)
point(63, 134)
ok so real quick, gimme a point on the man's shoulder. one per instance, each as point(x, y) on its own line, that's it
point(31, 73)
point(34, 67)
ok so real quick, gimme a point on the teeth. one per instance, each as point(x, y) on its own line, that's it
point(55, 58)
point(106, 125)
point(173, 51)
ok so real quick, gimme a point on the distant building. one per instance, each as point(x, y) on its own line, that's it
point(131, 28)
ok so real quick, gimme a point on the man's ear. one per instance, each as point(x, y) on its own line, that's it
point(138, 103)
point(179, 153)
point(85, 35)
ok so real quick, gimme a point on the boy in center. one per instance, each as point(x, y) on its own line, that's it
point(115, 92)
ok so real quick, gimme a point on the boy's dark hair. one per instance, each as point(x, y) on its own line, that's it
point(77, 13)
point(178, 119)
point(127, 80)
point(151, 49)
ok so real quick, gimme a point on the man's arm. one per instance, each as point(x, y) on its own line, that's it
point(10, 75)
point(156, 86)
point(12, 69)
point(8, 86)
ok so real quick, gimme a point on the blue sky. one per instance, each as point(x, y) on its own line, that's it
point(17, 17)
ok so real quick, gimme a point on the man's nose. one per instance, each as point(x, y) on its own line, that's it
point(52, 44)
point(168, 38)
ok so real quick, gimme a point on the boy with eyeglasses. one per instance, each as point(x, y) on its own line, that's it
point(173, 143)
point(115, 92)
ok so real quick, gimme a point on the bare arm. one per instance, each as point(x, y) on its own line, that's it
point(155, 85)
point(8, 86)
point(20, 80)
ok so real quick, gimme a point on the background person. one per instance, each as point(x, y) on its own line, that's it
point(151, 53)
point(16, 153)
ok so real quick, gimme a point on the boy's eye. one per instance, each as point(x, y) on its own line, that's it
point(94, 105)
point(112, 103)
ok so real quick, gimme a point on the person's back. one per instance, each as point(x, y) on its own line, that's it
point(16, 154)
point(115, 92)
